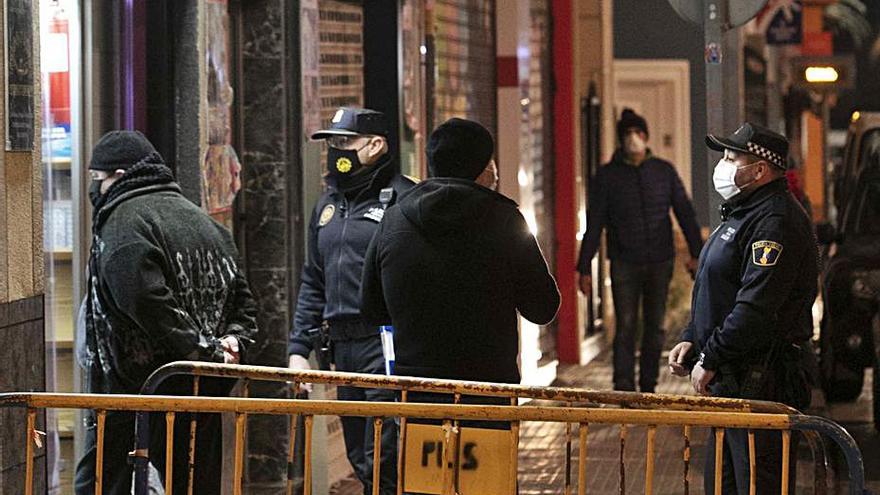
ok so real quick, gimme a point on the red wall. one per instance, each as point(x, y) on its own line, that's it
point(567, 341)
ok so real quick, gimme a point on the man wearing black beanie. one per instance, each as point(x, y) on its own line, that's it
point(630, 199)
point(453, 263)
point(163, 285)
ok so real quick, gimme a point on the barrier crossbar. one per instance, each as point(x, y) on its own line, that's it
point(447, 413)
point(822, 474)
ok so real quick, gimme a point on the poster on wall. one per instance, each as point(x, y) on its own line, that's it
point(57, 142)
point(19, 58)
point(221, 168)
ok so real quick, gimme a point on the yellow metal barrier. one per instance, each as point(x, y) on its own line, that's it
point(449, 414)
point(457, 389)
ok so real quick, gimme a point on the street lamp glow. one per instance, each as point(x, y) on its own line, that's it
point(821, 74)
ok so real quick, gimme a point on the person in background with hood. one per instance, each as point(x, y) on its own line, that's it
point(453, 263)
point(163, 285)
point(362, 181)
point(632, 198)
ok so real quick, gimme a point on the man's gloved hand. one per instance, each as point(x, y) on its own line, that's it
point(297, 362)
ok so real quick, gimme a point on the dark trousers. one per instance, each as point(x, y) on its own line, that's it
point(735, 462)
point(634, 286)
point(119, 441)
point(365, 356)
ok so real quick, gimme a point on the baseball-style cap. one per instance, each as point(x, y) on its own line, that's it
point(755, 140)
point(349, 121)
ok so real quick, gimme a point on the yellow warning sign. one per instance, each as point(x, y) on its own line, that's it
point(484, 458)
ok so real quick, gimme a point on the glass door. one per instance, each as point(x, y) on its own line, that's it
point(62, 207)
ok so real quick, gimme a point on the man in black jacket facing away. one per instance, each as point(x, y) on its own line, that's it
point(453, 263)
point(362, 181)
point(631, 198)
point(163, 285)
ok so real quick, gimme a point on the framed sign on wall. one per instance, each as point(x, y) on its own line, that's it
point(19, 75)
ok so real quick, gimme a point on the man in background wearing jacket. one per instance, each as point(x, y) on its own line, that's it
point(633, 195)
point(163, 285)
point(453, 263)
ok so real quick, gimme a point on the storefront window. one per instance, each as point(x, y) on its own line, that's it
point(414, 126)
point(59, 41)
point(462, 46)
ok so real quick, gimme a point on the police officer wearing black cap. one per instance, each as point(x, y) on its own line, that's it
point(751, 314)
point(362, 181)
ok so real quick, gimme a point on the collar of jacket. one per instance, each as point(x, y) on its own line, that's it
point(382, 173)
point(144, 178)
point(620, 157)
point(758, 196)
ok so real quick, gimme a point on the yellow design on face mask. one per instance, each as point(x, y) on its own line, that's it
point(343, 165)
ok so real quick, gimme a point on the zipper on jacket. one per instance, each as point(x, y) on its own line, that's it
point(343, 207)
point(642, 206)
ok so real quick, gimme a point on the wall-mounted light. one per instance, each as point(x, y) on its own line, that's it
point(821, 75)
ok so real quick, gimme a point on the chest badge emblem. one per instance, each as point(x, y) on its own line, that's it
point(326, 215)
point(766, 253)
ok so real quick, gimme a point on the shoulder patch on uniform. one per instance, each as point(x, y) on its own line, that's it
point(326, 215)
point(766, 253)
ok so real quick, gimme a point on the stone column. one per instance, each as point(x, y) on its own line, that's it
point(268, 95)
point(21, 247)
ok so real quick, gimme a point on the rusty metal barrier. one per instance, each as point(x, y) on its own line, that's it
point(448, 414)
point(457, 388)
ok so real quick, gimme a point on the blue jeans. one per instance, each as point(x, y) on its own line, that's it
point(634, 286)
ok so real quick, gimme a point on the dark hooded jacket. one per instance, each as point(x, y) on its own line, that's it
point(163, 283)
point(450, 267)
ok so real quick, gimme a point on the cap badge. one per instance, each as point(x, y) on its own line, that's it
point(337, 118)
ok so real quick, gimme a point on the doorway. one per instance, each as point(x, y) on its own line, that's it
point(659, 90)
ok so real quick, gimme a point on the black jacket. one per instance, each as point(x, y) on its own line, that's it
point(163, 283)
point(756, 280)
point(450, 267)
point(341, 227)
point(632, 203)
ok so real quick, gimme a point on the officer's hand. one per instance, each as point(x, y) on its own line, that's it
point(677, 356)
point(297, 362)
point(586, 284)
point(231, 351)
point(691, 267)
point(700, 378)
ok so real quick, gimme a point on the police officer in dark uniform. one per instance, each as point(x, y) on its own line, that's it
point(751, 314)
point(362, 181)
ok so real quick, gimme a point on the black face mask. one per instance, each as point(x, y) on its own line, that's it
point(95, 192)
point(343, 164)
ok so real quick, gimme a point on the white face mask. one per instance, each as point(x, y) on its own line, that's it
point(633, 144)
point(724, 178)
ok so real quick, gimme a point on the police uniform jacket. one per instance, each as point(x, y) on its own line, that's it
point(341, 227)
point(756, 280)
